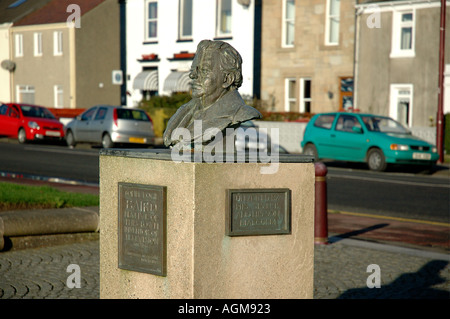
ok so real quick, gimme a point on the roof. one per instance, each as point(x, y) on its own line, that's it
point(14, 10)
point(55, 11)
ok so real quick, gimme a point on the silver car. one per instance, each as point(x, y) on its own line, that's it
point(109, 125)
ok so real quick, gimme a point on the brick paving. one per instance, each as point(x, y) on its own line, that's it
point(340, 272)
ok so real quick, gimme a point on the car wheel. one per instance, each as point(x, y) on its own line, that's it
point(310, 149)
point(70, 139)
point(106, 141)
point(376, 160)
point(22, 136)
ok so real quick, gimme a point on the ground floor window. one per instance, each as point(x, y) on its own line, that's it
point(305, 95)
point(346, 93)
point(25, 94)
point(291, 96)
point(58, 96)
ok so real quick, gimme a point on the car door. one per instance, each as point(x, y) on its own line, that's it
point(98, 124)
point(349, 140)
point(9, 120)
point(322, 134)
point(83, 125)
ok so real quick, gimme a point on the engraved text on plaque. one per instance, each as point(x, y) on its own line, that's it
point(142, 228)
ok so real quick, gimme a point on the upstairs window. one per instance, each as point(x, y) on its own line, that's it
point(403, 34)
point(288, 27)
point(37, 44)
point(57, 43)
point(332, 22)
point(185, 19)
point(18, 45)
point(151, 18)
point(223, 18)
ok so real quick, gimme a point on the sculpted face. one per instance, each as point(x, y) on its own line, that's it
point(207, 78)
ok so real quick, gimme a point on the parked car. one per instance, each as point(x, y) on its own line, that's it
point(253, 139)
point(374, 139)
point(28, 122)
point(110, 125)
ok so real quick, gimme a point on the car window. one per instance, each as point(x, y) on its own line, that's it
point(3, 109)
point(325, 121)
point(36, 111)
point(347, 123)
point(101, 113)
point(86, 116)
point(126, 114)
point(383, 124)
point(13, 113)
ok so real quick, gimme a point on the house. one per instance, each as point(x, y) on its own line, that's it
point(397, 60)
point(162, 37)
point(66, 54)
point(10, 12)
point(307, 55)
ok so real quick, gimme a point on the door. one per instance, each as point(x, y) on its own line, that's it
point(9, 120)
point(349, 141)
point(83, 126)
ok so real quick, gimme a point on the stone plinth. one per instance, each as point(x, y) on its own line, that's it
point(201, 260)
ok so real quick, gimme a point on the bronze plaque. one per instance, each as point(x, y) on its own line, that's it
point(142, 228)
point(258, 212)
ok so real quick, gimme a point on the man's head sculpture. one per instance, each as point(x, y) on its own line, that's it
point(216, 74)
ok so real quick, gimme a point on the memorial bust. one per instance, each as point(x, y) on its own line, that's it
point(216, 74)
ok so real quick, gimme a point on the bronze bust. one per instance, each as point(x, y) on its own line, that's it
point(216, 74)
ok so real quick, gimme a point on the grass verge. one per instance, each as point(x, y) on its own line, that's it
point(17, 196)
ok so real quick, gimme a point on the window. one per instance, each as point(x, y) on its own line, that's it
point(57, 43)
point(19, 45)
point(101, 114)
point(37, 44)
point(223, 18)
point(403, 34)
point(347, 123)
point(288, 27)
point(25, 94)
point(305, 95)
point(325, 121)
point(151, 17)
point(185, 19)
point(291, 99)
point(58, 95)
point(401, 103)
point(332, 22)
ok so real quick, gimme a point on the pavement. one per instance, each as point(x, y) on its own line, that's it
point(411, 257)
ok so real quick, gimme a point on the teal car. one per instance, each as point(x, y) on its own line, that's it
point(374, 139)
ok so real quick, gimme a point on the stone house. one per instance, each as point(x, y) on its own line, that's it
point(307, 55)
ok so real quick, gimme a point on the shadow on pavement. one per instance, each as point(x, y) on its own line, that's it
point(337, 238)
point(416, 285)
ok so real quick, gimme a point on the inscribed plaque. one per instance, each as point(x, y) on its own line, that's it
point(142, 228)
point(258, 212)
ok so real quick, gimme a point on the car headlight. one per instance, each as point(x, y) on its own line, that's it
point(399, 147)
point(434, 149)
point(33, 125)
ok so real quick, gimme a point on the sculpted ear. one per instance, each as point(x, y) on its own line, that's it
point(228, 80)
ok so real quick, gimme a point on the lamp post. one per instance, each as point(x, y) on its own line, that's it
point(440, 112)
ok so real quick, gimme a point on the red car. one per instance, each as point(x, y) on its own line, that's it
point(28, 122)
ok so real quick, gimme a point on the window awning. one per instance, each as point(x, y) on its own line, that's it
point(177, 82)
point(146, 80)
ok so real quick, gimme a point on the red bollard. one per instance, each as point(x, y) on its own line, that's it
point(321, 218)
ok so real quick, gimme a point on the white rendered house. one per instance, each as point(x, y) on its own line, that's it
point(162, 37)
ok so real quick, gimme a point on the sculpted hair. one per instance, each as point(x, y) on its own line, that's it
point(229, 58)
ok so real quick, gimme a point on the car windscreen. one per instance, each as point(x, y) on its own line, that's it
point(384, 125)
point(34, 111)
point(137, 115)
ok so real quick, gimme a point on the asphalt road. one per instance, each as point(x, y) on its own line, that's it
point(399, 192)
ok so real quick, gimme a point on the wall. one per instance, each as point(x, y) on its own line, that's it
point(5, 75)
point(376, 70)
point(97, 55)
